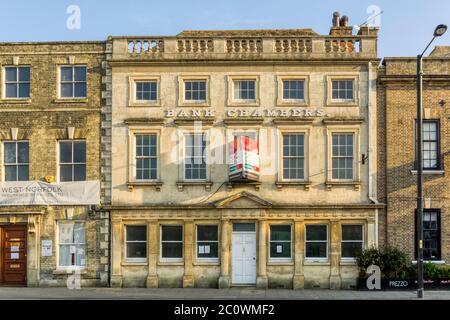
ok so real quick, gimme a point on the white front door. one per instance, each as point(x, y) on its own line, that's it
point(244, 258)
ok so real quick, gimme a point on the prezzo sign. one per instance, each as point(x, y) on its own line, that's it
point(41, 193)
point(244, 159)
point(232, 113)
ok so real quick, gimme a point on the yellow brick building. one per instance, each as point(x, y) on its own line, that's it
point(177, 102)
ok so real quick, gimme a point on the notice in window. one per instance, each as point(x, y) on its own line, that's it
point(73, 249)
point(207, 250)
point(279, 249)
point(14, 255)
point(201, 249)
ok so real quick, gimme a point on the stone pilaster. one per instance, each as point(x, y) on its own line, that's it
point(335, 255)
point(188, 278)
point(224, 279)
point(116, 253)
point(152, 253)
point(262, 281)
point(298, 281)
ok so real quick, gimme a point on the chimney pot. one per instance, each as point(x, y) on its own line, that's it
point(344, 21)
point(335, 19)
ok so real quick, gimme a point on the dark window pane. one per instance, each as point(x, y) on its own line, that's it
point(23, 152)
point(352, 232)
point(11, 90)
point(316, 249)
point(280, 233)
point(10, 152)
point(351, 249)
point(172, 250)
point(172, 233)
point(137, 250)
point(243, 227)
point(280, 249)
point(65, 152)
point(66, 74)
point(23, 173)
point(79, 151)
point(207, 249)
point(316, 232)
point(65, 173)
point(79, 172)
point(24, 90)
point(10, 173)
point(207, 233)
point(11, 74)
point(24, 74)
point(80, 90)
point(136, 233)
point(80, 73)
point(66, 90)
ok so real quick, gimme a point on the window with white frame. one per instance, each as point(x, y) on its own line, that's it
point(294, 89)
point(244, 90)
point(17, 82)
point(72, 244)
point(352, 240)
point(72, 160)
point(146, 91)
point(16, 160)
point(136, 242)
point(342, 156)
point(195, 156)
point(280, 241)
point(146, 156)
point(431, 145)
point(73, 82)
point(171, 242)
point(207, 242)
point(195, 90)
point(316, 241)
point(342, 89)
point(293, 156)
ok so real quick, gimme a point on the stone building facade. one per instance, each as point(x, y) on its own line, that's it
point(397, 104)
point(177, 103)
point(50, 117)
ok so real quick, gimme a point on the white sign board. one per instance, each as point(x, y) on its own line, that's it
point(41, 193)
point(46, 248)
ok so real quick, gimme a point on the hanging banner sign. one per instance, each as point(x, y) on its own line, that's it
point(244, 159)
point(41, 193)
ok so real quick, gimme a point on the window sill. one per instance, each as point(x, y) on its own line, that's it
point(170, 263)
point(251, 103)
point(144, 104)
point(67, 271)
point(430, 172)
point(194, 104)
point(431, 261)
point(71, 100)
point(15, 101)
point(206, 263)
point(348, 262)
point(275, 262)
point(316, 262)
point(280, 184)
point(156, 184)
point(131, 263)
point(292, 103)
point(182, 184)
point(343, 103)
point(356, 184)
point(232, 184)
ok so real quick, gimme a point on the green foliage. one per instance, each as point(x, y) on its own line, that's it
point(394, 263)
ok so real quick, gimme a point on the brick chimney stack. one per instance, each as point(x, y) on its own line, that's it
point(340, 25)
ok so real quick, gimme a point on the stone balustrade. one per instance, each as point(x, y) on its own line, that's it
point(273, 47)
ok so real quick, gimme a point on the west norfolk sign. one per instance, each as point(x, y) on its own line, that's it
point(41, 193)
point(248, 113)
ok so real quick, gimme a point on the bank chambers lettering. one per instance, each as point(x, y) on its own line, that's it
point(248, 113)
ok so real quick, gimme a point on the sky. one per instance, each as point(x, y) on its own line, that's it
point(406, 26)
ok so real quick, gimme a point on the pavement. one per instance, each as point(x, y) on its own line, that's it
point(243, 293)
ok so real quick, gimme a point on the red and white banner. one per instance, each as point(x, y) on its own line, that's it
point(244, 159)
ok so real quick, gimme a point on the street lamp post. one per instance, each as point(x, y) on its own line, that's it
point(439, 31)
